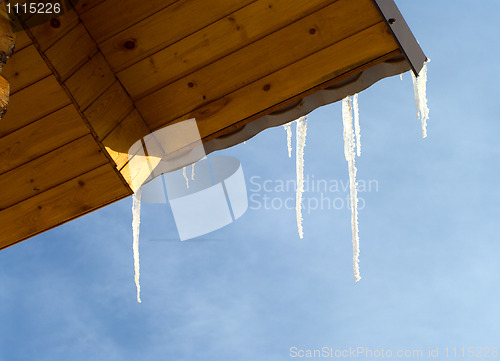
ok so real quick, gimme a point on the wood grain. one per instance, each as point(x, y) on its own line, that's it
point(71, 51)
point(32, 103)
point(49, 32)
point(22, 40)
point(288, 82)
point(217, 40)
point(24, 68)
point(51, 169)
point(81, 6)
point(164, 28)
point(112, 16)
point(60, 204)
point(271, 53)
point(90, 81)
point(109, 109)
point(40, 137)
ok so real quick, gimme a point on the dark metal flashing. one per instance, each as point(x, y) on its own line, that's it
point(402, 33)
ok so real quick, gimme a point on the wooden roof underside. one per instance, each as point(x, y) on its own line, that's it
point(86, 87)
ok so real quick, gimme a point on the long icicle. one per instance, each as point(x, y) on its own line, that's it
point(136, 221)
point(420, 89)
point(356, 125)
point(192, 171)
point(301, 143)
point(288, 130)
point(350, 156)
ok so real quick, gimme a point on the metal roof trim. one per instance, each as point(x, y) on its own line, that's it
point(402, 34)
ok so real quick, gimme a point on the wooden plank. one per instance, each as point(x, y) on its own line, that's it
point(58, 166)
point(40, 137)
point(32, 103)
point(90, 81)
point(22, 41)
point(119, 141)
point(49, 32)
point(60, 204)
point(109, 109)
point(288, 82)
point(24, 68)
point(71, 51)
point(103, 22)
point(278, 50)
point(81, 6)
point(217, 40)
point(162, 29)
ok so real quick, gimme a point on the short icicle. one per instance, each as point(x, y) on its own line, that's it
point(301, 143)
point(420, 89)
point(350, 156)
point(136, 221)
point(184, 174)
point(288, 130)
point(356, 125)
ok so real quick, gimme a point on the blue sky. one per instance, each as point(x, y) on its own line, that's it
point(252, 290)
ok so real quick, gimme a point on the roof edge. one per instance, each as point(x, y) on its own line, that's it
point(338, 91)
point(402, 34)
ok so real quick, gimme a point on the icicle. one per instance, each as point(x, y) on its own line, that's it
point(401, 76)
point(301, 143)
point(184, 174)
point(356, 125)
point(420, 89)
point(136, 221)
point(350, 156)
point(288, 130)
point(192, 171)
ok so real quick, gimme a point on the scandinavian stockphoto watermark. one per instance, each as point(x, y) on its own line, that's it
point(319, 193)
point(364, 352)
point(212, 196)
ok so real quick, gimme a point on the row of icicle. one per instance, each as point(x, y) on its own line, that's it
point(351, 138)
point(352, 147)
point(184, 174)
